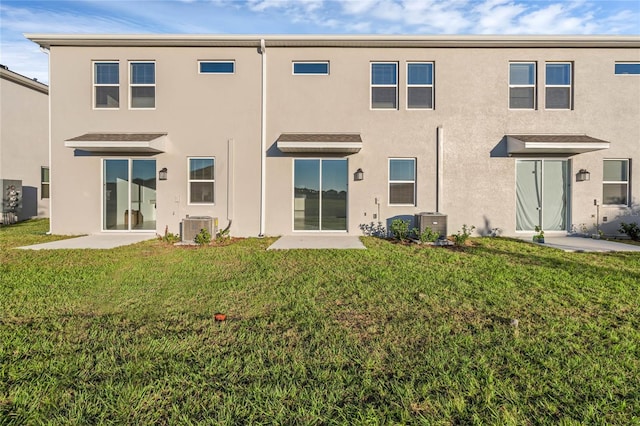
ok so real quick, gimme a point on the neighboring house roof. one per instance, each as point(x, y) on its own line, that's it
point(560, 144)
point(48, 40)
point(20, 79)
point(348, 143)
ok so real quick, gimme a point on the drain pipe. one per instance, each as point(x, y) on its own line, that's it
point(439, 166)
point(263, 138)
point(230, 182)
point(48, 53)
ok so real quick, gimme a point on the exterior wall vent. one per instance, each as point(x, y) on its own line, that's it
point(436, 221)
point(191, 226)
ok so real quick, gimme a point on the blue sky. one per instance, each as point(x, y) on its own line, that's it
point(301, 17)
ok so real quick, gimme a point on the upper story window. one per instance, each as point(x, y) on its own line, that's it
point(402, 181)
point(106, 85)
point(558, 85)
point(522, 85)
point(311, 68)
point(142, 80)
point(216, 67)
point(384, 85)
point(624, 68)
point(44, 182)
point(201, 180)
point(615, 182)
point(420, 85)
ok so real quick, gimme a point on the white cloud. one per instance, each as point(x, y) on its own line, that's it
point(293, 5)
point(494, 16)
point(556, 19)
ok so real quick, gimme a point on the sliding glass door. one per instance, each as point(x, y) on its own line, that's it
point(541, 194)
point(129, 195)
point(320, 195)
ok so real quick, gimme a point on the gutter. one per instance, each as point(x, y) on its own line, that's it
point(431, 41)
point(263, 138)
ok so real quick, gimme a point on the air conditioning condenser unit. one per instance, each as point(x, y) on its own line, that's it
point(436, 221)
point(192, 225)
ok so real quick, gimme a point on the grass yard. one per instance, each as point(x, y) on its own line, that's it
point(390, 335)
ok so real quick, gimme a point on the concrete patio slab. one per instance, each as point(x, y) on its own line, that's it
point(586, 245)
point(342, 242)
point(96, 241)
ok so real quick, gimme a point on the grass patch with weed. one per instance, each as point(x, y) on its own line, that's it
point(392, 334)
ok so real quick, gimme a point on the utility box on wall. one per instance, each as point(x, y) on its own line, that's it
point(11, 206)
point(436, 221)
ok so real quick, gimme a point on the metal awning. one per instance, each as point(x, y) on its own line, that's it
point(119, 142)
point(557, 144)
point(333, 143)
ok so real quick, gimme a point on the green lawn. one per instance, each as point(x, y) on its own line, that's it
point(390, 335)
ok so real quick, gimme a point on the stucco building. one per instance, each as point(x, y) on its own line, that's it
point(287, 134)
point(24, 141)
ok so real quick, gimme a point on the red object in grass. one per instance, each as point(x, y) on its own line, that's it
point(219, 317)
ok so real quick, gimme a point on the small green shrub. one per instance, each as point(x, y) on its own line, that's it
point(428, 235)
point(374, 230)
point(203, 238)
point(222, 236)
point(539, 237)
point(631, 229)
point(399, 229)
point(171, 238)
point(462, 236)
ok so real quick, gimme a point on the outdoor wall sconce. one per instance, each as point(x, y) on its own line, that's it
point(583, 175)
point(358, 175)
point(162, 174)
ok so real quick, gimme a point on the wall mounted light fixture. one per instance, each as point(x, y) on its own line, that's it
point(162, 174)
point(583, 175)
point(358, 175)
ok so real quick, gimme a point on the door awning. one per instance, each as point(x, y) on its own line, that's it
point(119, 142)
point(332, 143)
point(553, 144)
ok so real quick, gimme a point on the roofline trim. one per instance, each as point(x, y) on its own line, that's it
point(22, 80)
point(226, 40)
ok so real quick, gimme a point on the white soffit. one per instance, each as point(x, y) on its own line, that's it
point(553, 144)
point(119, 142)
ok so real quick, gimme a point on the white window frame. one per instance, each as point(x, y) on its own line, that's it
point(43, 182)
point(433, 105)
point(534, 85)
point(96, 85)
point(414, 181)
point(627, 63)
point(218, 61)
point(131, 85)
point(293, 67)
point(570, 85)
point(625, 182)
point(189, 180)
point(371, 85)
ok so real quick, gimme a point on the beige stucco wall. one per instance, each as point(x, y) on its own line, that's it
point(201, 113)
point(471, 105)
point(24, 140)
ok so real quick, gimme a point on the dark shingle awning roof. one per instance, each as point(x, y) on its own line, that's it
point(119, 142)
point(553, 144)
point(335, 143)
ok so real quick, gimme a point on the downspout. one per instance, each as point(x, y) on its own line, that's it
point(263, 141)
point(439, 166)
point(48, 53)
point(230, 182)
